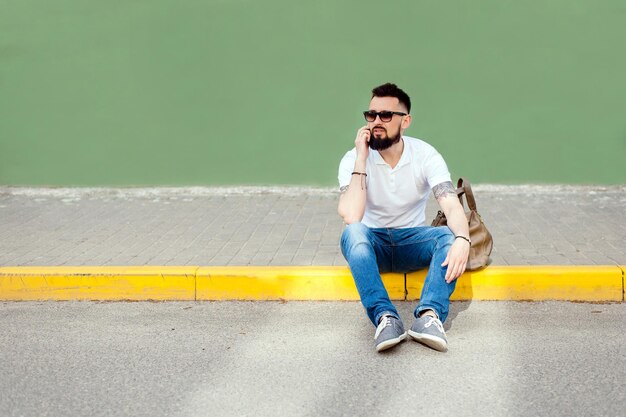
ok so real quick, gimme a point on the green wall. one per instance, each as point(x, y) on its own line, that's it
point(160, 92)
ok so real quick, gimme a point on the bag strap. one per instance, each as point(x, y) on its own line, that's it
point(460, 191)
point(464, 187)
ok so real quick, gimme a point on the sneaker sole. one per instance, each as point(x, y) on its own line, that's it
point(433, 342)
point(390, 343)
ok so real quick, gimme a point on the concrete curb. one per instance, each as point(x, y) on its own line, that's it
point(161, 283)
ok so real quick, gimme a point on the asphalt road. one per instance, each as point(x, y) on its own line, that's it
point(307, 358)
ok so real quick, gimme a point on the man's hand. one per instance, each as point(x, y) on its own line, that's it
point(361, 143)
point(456, 259)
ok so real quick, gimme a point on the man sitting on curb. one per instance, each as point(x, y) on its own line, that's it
point(384, 183)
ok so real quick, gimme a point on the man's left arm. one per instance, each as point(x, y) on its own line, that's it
point(458, 254)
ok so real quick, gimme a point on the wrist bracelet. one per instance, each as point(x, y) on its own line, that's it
point(463, 237)
point(363, 179)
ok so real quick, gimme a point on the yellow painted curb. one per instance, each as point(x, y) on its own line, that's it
point(572, 283)
point(285, 283)
point(97, 283)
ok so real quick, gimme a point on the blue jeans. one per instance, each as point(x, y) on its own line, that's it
point(370, 252)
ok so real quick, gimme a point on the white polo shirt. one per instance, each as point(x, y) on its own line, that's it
point(396, 198)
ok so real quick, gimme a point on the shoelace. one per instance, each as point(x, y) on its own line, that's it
point(436, 322)
point(386, 321)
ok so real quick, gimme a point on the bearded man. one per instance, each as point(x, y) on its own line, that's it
point(384, 183)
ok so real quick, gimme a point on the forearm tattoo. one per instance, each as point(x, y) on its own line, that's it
point(344, 189)
point(444, 189)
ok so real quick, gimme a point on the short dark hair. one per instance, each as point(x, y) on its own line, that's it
point(392, 90)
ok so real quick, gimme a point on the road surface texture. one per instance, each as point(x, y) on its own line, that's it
point(307, 359)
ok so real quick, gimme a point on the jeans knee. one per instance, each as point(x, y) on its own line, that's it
point(446, 239)
point(354, 234)
point(355, 231)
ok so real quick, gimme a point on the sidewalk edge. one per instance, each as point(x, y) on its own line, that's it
point(602, 283)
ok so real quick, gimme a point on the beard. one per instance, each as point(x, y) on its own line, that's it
point(380, 144)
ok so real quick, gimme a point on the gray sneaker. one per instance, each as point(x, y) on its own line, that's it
point(389, 333)
point(429, 331)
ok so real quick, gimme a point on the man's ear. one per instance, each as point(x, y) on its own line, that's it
point(406, 122)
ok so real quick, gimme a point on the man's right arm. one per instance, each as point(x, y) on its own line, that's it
point(352, 199)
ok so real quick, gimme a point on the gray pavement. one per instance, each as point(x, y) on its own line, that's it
point(307, 359)
point(548, 225)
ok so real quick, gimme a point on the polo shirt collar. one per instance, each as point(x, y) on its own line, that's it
point(405, 158)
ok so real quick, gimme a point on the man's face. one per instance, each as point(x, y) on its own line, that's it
point(386, 134)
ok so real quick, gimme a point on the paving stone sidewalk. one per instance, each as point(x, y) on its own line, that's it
point(531, 225)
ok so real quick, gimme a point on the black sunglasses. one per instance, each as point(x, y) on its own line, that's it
point(385, 116)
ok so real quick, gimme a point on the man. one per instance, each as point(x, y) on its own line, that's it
point(384, 182)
